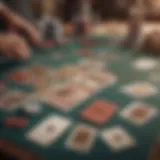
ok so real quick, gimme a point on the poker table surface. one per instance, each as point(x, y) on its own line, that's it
point(13, 141)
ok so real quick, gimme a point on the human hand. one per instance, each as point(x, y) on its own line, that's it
point(14, 46)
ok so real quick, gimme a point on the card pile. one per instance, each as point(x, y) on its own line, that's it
point(67, 87)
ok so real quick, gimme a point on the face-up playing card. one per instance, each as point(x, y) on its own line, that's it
point(98, 112)
point(81, 139)
point(49, 130)
point(101, 78)
point(140, 89)
point(117, 139)
point(21, 76)
point(145, 64)
point(67, 72)
point(65, 96)
point(14, 99)
point(139, 113)
point(82, 82)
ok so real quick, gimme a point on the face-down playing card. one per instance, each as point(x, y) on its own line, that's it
point(82, 138)
point(49, 130)
point(98, 112)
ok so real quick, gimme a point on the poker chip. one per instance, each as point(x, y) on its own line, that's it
point(145, 64)
point(32, 108)
point(15, 121)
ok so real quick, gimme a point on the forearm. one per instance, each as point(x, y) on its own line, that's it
point(10, 17)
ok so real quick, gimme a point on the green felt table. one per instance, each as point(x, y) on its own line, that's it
point(144, 135)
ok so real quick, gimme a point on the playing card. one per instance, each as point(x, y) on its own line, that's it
point(139, 89)
point(82, 138)
point(145, 64)
point(118, 139)
point(101, 78)
point(13, 99)
point(65, 96)
point(98, 112)
point(82, 82)
point(67, 72)
point(139, 113)
point(49, 130)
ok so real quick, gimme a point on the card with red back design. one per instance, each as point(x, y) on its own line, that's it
point(98, 112)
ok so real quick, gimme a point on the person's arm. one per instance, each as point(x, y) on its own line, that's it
point(136, 17)
point(17, 22)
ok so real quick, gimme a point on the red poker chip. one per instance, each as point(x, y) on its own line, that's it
point(14, 121)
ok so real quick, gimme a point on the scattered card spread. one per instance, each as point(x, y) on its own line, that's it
point(65, 96)
point(82, 138)
point(98, 112)
point(145, 64)
point(139, 113)
point(140, 89)
point(49, 130)
point(117, 139)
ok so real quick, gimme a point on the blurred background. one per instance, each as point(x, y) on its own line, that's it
point(105, 9)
